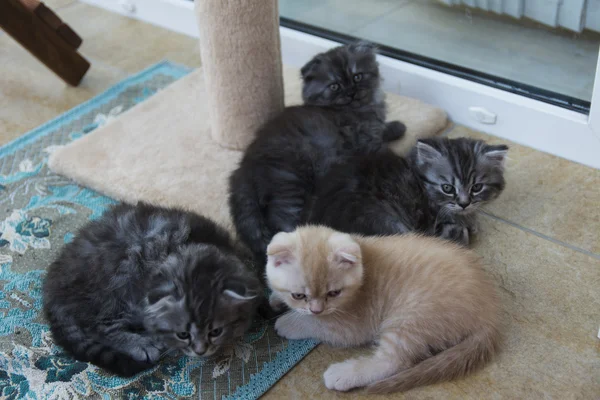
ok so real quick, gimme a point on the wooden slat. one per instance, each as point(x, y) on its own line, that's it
point(41, 41)
point(53, 20)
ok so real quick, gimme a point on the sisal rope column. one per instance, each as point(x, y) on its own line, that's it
point(241, 58)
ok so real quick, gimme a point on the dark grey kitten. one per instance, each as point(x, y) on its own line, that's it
point(343, 115)
point(143, 281)
point(434, 191)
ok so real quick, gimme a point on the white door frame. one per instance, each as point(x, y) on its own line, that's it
point(530, 122)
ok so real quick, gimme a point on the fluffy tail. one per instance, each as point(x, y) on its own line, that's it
point(394, 130)
point(67, 334)
point(247, 215)
point(455, 362)
point(118, 363)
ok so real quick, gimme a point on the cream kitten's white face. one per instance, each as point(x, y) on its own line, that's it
point(314, 274)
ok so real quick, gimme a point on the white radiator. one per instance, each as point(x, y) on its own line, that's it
point(575, 15)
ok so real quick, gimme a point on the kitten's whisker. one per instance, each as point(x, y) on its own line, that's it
point(286, 313)
point(339, 311)
point(164, 353)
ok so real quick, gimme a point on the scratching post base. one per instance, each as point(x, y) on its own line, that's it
point(162, 152)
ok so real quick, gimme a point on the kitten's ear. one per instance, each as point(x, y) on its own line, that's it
point(308, 68)
point(280, 250)
point(162, 284)
point(495, 154)
point(345, 252)
point(161, 315)
point(237, 290)
point(427, 154)
point(362, 47)
point(161, 292)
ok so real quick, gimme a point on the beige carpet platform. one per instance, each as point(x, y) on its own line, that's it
point(161, 150)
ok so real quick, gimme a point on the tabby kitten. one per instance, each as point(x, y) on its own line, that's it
point(427, 304)
point(143, 281)
point(435, 190)
point(343, 115)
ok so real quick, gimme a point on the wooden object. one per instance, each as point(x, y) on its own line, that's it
point(44, 35)
point(64, 30)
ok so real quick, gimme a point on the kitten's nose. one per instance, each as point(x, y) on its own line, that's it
point(464, 204)
point(316, 307)
point(199, 349)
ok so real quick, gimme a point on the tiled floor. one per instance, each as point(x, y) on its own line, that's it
point(525, 52)
point(540, 240)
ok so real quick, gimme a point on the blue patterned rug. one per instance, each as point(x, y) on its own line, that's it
point(39, 212)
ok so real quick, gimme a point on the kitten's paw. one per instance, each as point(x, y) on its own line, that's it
point(342, 376)
point(288, 328)
point(152, 354)
point(267, 312)
point(394, 130)
point(145, 354)
point(465, 240)
point(474, 229)
point(456, 233)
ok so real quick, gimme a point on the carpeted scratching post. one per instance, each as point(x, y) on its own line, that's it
point(241, 58)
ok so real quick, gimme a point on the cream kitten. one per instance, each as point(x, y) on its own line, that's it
point(426, 303)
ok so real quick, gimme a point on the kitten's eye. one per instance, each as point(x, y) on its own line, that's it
point(334, 87)
point(183, 335)
point(357, 77)
point(333, 293)
point(298, 296)
point(477, 187)
point(448, 189)
point(215, 332)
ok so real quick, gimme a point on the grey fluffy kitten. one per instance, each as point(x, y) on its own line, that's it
point(142, 281)
point(434, 191)
point(343, 115)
